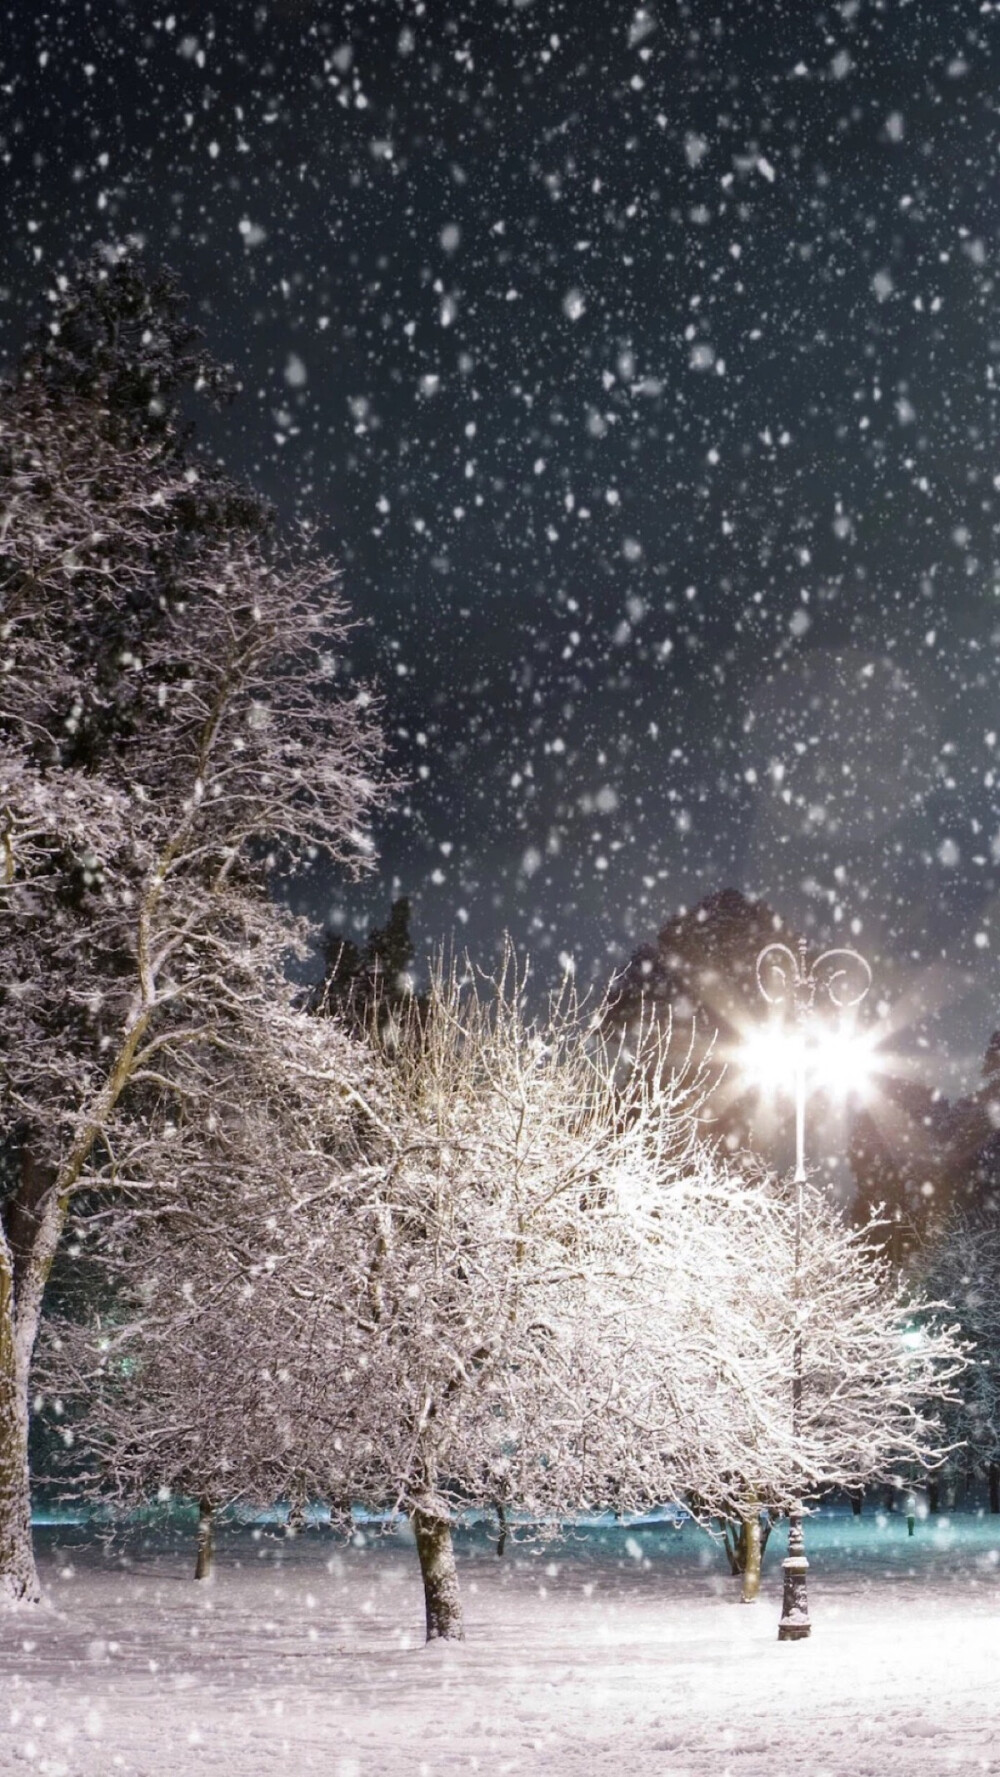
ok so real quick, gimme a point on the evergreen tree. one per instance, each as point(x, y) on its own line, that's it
point(370, 981)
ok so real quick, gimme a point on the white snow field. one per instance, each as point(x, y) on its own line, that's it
point(622, 1652)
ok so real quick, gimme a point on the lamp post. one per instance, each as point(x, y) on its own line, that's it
point(786, 979)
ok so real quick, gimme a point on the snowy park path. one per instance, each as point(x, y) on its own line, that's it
point(614, 1656)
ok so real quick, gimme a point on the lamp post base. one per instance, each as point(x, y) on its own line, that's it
point(795, 1624)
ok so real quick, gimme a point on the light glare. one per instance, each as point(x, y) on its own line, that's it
point(844, 1063)
point(770, 1057)
point(840, 1061)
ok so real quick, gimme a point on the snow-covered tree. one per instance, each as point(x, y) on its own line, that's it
point(962, 1263)
point(199, 1362)
point(172, 724)
point(874, 1365)
point(501, 1322)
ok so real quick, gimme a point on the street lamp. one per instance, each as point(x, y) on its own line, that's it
point(787, 980)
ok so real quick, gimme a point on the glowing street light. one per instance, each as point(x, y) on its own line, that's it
point(839, 1060)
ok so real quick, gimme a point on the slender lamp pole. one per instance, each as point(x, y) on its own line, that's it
point(786, 979)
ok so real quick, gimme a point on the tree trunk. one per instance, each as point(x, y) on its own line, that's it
point(31, 1227)
point(18, 1575)
point(857, 1498)
point(750, 1539)
point(205, 1564)
point(295, 1523)
point(443, 1604)
point(933, 1496)
point(994, 1481)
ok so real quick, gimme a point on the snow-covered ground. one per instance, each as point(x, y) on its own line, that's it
point(621, 1652)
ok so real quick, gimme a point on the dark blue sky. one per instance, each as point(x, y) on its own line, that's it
point(638, 364)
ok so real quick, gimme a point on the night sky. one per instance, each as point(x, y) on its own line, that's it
point(639, 366)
